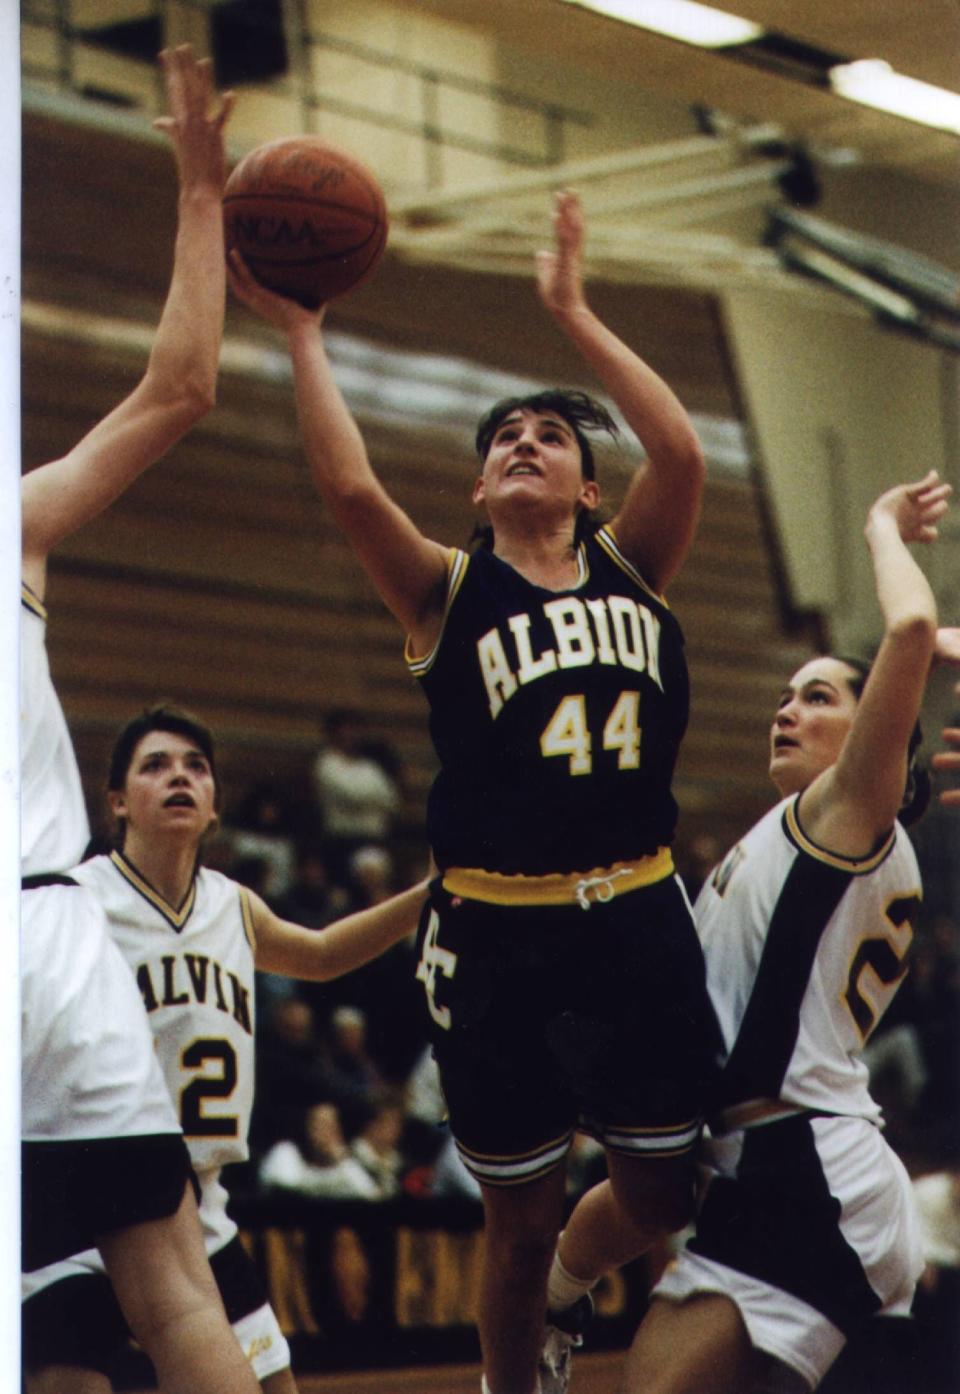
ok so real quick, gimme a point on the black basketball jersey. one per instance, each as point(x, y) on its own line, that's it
point(556, 716)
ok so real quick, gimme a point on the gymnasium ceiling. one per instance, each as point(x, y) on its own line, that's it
point(681, 216)
point(683, 161)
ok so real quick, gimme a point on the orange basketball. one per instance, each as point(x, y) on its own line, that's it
point(309, 219)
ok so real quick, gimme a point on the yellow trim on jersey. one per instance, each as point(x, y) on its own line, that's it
point(753, 1114)
point(859, 866)
point(32, 601)
point(457, 563)
point(246, 914)
point(176, 917)
point(584, 888)
point(607, 539)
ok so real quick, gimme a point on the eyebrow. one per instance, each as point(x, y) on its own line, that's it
point(515, 418)
point(805, 687)
point(162, 751)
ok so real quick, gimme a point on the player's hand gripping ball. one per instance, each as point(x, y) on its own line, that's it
point(309, 219)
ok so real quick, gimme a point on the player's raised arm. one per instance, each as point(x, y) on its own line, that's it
point(319, 955)
point(179, 384)
point(408, 569)
point(855, 801)
point(658, 518)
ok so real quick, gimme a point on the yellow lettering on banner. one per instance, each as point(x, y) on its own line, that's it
point(437, 1280)
point(284, 1255)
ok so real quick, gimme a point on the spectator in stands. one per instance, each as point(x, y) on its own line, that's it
point(695, 860)
point(289, 1072)
point(312, 899)
point(357, 799)
point(370, 872)
point(316, 1161)
point(937, 1305)
point(263, 827)
point(936, 994)
point(375, 1132)
point(350, 1071)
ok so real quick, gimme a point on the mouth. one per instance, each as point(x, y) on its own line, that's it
point(523, 467)
point(180, 801)
point(784, 743)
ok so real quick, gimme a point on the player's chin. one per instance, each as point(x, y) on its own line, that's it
point(785, 769)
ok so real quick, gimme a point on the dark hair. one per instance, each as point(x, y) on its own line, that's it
point(580, 412)
point(159, 718)
point(916, 793)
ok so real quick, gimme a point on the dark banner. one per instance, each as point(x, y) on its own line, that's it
point(363, 1284)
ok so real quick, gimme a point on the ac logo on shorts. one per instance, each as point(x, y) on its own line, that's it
point(432, 959)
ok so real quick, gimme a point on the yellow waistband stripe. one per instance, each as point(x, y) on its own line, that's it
point(583, 888)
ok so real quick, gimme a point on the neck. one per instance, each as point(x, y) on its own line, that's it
point(168, 865)
point(547, 558)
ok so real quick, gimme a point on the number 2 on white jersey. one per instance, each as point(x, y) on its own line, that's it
point(567, 733)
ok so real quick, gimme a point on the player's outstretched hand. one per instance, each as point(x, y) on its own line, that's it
point(915, 508)
point(560, 272)
point(948, 761)
point(195, 122)
point(946, 649)
point(279, 310)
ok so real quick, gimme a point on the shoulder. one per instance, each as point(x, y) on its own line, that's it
point(96, 871)
point(604, 545)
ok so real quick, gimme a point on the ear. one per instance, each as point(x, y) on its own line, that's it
point(118, 802)
point(590, 494)
point(478, 492)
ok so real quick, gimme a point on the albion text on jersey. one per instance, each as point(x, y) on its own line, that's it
point(612, 630)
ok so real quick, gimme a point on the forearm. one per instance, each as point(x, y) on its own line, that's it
point(318, 956)
point(186, 351)
point(332, 441)
point(906, 600)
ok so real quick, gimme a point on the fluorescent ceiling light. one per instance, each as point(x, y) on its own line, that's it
point(874, 83)
point(679, 19)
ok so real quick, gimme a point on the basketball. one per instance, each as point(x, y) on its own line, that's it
point(308, 218)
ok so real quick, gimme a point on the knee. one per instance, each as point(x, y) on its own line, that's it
point(656, 1207)
point(525, 1249)
point(521, 1247)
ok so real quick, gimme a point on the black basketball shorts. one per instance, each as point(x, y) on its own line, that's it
point(545, 1019)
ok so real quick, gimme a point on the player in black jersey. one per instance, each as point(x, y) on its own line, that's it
point(557, 949)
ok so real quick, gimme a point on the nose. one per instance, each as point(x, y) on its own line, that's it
point(787, 714)
point(179, 777)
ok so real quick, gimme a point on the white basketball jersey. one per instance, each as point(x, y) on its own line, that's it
point(805, 951)
point(53, 816)
point(194, 967)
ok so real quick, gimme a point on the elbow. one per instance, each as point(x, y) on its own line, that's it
point(694, 461)
point(188, 398)
point(683, 461)
point(916, 631)
point(200, 396)
point(355, 502)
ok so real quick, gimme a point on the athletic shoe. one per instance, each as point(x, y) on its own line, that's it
point(564, 1335)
